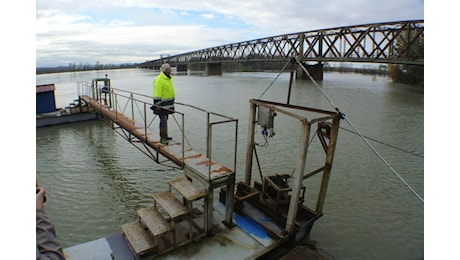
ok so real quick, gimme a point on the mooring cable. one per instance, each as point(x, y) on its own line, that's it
point(277, 76)
point(342, 116)
point(383, 143)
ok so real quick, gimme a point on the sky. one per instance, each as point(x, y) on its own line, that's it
point(135, 31)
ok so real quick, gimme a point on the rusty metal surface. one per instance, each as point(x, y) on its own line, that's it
point(201, 165)
point(278, 199)
point(173, 151)
point(133, 128)
point(198, 162)
point(141, 132)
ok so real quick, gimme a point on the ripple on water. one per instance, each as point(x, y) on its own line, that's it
point(95, 180)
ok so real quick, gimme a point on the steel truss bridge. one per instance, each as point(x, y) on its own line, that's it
point(391, 42)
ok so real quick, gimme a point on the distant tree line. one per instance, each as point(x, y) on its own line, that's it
point(409, 74)
point(84, 67)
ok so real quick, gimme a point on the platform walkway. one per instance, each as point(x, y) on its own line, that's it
point(168, 223)
point(175, 151)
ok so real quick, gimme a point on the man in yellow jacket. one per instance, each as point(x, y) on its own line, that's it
point(163, 98)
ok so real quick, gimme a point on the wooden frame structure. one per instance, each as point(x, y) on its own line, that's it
point(327, 123)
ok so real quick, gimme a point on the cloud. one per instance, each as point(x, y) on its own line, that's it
point(208, 16)
point(121, 31)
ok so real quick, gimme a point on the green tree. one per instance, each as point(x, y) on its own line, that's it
point(409, 45)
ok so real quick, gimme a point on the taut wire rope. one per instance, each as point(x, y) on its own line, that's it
point(342, 116)
point(277, 76)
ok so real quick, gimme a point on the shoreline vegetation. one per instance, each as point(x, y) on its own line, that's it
point(87, 67)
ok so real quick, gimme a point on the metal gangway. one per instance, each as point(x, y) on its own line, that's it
point(131, 116)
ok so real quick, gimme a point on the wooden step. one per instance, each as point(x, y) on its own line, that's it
point(154, 221)
point(170, 204)
point(139, 239)
point(187, 189)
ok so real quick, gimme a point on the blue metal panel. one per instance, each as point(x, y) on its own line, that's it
point(45, 102)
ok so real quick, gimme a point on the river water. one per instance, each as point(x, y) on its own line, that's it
point(96, 180)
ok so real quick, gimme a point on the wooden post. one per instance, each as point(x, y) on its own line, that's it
point(208, 207)
point(229, 201)
point(250, 144)
point(298, 177)
point(328, 164)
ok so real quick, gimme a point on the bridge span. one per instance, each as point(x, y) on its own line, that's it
point(398, 42)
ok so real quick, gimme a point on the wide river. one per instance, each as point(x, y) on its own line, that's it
point(96, 180)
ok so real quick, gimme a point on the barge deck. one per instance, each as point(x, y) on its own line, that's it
point(248, 240)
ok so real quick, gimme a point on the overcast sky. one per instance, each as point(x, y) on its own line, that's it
point(130, 31)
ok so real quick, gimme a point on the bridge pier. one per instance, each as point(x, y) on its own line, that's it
point(181, 67)
point(316, 71)
point(214, 69)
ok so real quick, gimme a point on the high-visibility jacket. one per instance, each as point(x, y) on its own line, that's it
point(163, 93)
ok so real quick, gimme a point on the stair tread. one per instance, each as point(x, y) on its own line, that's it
point(186, 188)
point(154, 221)
point(138, 238)
point(170, 204)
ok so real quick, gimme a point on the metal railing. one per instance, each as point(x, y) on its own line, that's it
point(209, 132)
point(136, 107)
point(399, 42)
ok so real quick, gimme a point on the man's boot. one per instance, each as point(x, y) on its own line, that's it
point(167, 135)
point(163, 135)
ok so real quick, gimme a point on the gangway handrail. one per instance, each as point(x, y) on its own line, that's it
point(142, 101)
point(115, 94)
point(203, 110)
point(85, 88)
point(209, 133)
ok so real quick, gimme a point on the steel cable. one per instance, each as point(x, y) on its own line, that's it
point(342, 116)
point(277, 76)
point(383, 143)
